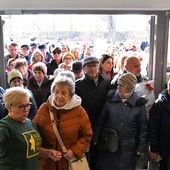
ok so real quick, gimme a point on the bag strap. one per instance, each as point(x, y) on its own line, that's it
point(53, 122)
point(126, 120)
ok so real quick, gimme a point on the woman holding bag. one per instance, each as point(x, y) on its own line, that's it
point(125, 113)
point(71, 120)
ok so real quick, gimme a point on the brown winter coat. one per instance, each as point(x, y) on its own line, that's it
point(74, 128)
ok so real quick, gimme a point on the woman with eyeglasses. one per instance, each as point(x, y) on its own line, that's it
point(125, 113)
point(67, 61)
point(19, 138)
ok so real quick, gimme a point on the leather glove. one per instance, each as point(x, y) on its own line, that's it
point(155, 156)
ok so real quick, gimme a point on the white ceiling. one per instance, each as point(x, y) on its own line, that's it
point(15, 6)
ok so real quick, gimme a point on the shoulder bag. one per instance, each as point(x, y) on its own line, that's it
point(75, 163)
point(109, 139)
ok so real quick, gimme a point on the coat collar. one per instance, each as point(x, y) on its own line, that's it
point(131, 100)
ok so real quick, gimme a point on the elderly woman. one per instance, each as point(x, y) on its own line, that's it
point(125, 113)
point(72, 122)
point(19, 139)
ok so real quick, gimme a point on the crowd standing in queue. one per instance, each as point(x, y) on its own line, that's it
point(94, 75)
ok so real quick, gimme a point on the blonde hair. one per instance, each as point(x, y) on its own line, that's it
point(15, 94)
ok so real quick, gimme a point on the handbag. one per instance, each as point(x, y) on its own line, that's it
point(109, 140)
point(75, 163)
point(79, 164)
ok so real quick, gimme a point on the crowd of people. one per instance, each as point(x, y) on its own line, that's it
point(85, 93)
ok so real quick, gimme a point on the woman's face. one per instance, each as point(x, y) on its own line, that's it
point(107, 65)
point(16, 82)
point(11, 65)
point(38, 57)
point(20, 111)
point(68, 60)
point(39, 76)
point(61, 95)
point(122, 89)
point(23, 70)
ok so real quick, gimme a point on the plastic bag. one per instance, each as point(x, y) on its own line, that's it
point(146, 89)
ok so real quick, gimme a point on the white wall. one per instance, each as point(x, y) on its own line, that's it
point(17, 5)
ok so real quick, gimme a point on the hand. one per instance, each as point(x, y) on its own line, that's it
point(154, 155)
point(95, 143)
point(69, 155)
point(138, 154)
point(54, 155)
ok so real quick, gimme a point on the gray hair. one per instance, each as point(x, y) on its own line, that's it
point(64, 80)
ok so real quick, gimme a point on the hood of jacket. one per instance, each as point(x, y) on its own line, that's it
point(164, 96)
point(72, 103)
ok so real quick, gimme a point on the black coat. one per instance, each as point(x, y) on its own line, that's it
point(93, 97)
point(133, 134)
point(159, 125)
point(40, 92)
point(51, 67)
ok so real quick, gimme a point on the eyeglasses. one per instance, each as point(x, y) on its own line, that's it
point(121, 86)
point(67, 58)
point(23, 107)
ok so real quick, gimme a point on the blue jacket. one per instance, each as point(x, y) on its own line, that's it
point(133, 135)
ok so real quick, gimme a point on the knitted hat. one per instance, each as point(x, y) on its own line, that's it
point(14, 74)
point(40, 66)
point(68, 54)
point(129, 80)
